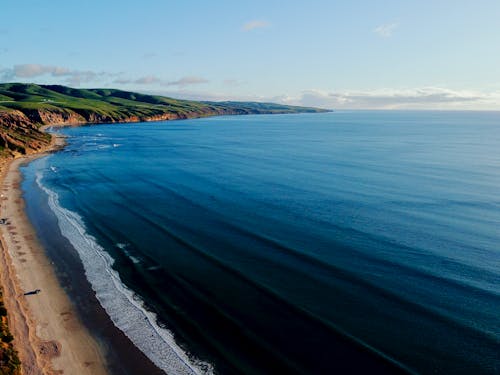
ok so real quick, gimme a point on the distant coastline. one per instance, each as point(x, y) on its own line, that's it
point(25, 108)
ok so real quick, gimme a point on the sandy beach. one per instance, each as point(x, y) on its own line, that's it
point(49, 336)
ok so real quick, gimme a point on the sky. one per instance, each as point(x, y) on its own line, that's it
point(358, 54)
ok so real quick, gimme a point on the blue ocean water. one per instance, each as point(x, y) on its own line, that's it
point(313, 243)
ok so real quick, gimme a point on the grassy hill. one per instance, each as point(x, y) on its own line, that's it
point(24, 108)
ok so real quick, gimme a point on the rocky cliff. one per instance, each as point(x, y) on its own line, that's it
point(20, 135)
point(20, 130)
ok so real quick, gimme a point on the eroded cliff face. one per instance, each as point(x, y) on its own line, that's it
point(53, 116)
point(19, 135)
point(20, 131)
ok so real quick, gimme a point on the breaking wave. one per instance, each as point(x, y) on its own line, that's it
point(125, 308)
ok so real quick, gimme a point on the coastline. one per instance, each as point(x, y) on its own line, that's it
point(48, 334)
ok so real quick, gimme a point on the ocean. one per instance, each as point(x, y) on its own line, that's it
point(344, 242)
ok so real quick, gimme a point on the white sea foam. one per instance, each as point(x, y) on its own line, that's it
point(123, 246)
point(125, 308)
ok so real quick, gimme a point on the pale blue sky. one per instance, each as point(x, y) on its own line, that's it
point(335, 54)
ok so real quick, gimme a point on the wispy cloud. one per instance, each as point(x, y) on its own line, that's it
point(154, 80)
point(255, 24)
point(77, 77)
point(187, 81)
point(417, 98)
point(432, 98)
point(148, 80)
point(73, 77)
point(123, 81)
point(192, 94)
point(34, 70)
point(386, 30)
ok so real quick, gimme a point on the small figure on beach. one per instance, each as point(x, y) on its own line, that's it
point(36, 291)
point(3, 221)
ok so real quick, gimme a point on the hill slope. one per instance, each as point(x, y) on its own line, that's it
point(26, 107)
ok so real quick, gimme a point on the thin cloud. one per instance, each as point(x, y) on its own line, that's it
point(148, 80)
point(187, 94)
point(123, 81)
point(386, 30)
point(73, 77)
point(418, 98)
point(255, 24)
point(186, 81)
point(35, 70)
point(77, 77)
point(154, 80)
point(431, 98)
point(191, 94)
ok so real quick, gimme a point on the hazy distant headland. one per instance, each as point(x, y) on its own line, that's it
point(24, 108)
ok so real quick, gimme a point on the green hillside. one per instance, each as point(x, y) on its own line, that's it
point(26, 107)
point(118, 104)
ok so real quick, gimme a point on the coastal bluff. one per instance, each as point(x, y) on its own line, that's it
point(26, 108)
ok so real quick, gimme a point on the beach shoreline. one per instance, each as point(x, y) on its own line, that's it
point(48, 334)
point(62, 329)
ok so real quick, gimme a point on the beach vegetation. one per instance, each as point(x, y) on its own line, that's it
point(9, 360)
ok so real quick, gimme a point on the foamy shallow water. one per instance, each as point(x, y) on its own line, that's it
point(125, 308)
